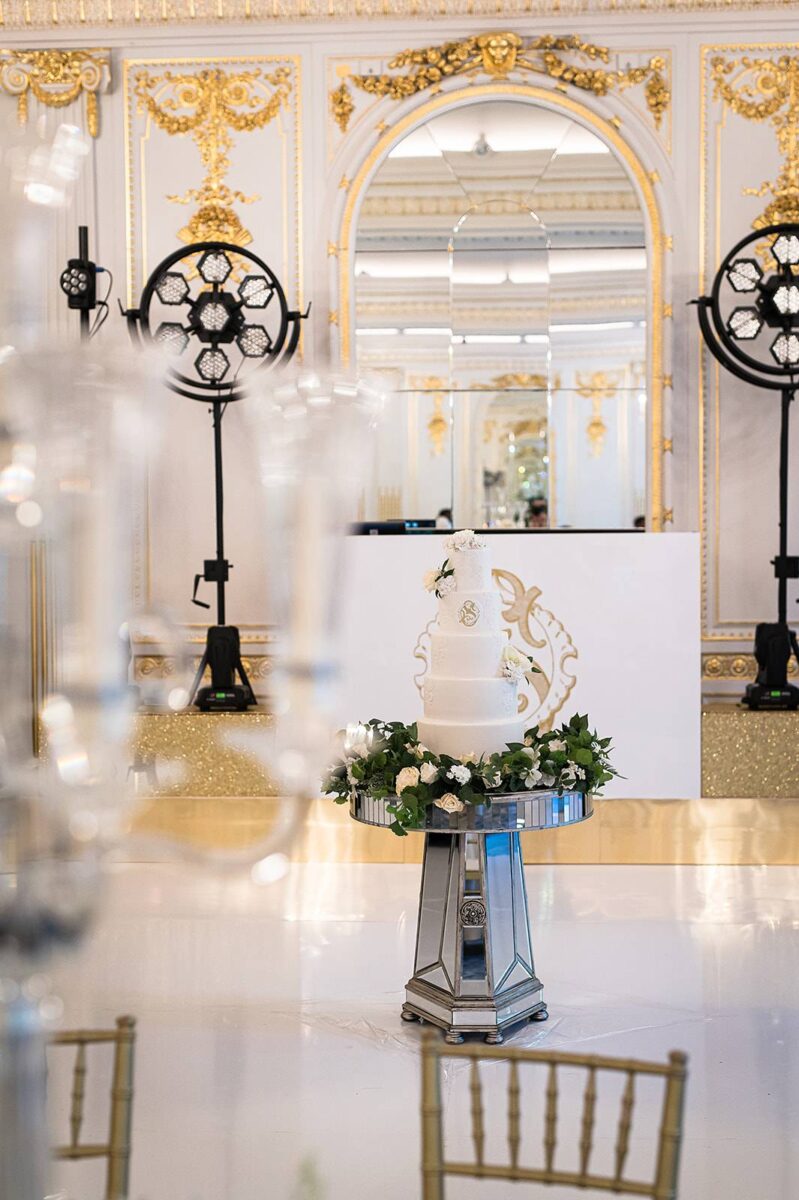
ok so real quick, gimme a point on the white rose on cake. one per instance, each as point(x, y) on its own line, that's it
point(449, 803)
point(430, 579)
point(407, 778)
point(515, 664)
point(465, 539)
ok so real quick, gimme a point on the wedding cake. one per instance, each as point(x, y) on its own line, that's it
point(471, 690)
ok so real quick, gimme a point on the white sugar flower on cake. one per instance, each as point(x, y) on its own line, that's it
point(465, 539)
point(516, 664)
point(440, 580)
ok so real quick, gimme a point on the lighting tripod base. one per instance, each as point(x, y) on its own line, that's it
point(222, 655)
point(759, 696)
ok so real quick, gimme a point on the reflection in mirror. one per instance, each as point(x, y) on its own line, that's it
point(500, 289)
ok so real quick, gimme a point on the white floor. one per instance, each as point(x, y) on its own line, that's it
point(272, 1063)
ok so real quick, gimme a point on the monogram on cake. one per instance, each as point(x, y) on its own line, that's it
point(471, 691)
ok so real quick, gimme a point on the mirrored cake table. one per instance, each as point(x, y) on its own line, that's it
point(474, 970)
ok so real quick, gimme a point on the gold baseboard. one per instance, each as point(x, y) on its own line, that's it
point(692, 832)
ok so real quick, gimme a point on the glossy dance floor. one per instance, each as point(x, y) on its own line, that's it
point(272, 1063)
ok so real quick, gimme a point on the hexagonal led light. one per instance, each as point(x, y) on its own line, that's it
point(213, 316)
point(212, 365)
point(255, 291)
point(173, 337)
point(172, 288)
point(214, 266)
point(744, 323)
point(254, 341)
point(785, 249)
point(786, 299)
point(744, 274)
point(785, 349)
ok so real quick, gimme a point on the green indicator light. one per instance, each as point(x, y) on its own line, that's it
point(776, 693)
point(221, 695)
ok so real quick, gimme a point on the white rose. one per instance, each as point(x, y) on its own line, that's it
point(446, 585)
point(557, 744)
point(430, 579)
point(358, 741)
point(449, 803)
point(407, 778)
point(459, 773)
point(428, 772)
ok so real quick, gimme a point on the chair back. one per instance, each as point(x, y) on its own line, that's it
point(117, 1149)
point(663, 1185)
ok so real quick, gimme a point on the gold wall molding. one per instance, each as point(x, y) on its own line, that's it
point(56, 78)
point(657, 242)
point(568, 60)
point(59, 14)
point(766, 89)
point(162, 666)
point(736, 666)
point(597, 386)
point(211, 105)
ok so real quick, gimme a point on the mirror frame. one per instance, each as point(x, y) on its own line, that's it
point(655, 242)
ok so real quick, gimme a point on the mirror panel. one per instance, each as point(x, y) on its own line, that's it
point(500, 289)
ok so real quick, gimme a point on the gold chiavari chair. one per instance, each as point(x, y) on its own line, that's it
point(117, 1148)
point(435, 1167)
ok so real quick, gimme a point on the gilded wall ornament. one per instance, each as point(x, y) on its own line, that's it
point(596, 387)
point(56, 78)
point(211, 105)
point(498, 55)
point(438, 422)
point(767, 89)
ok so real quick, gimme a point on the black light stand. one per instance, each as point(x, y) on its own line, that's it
point(775, 307)
point(217, 319)
point(78, 282)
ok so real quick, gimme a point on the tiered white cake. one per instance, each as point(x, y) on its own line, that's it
point(470, 706)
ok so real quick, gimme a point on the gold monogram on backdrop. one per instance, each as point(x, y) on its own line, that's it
point(56, 78)
point(566, 59)
point(211, 105)
point(542, 696)
point(767, 89)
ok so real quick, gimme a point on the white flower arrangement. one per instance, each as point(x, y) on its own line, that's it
point(516, 665)
point(386, 759)
point(465, 539)
point(440, 580)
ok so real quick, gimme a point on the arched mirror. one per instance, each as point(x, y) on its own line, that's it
point(501, 291)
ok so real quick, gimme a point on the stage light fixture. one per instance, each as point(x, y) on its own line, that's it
point(785, 349)
point(744, 323)
point(255, 291)
point(253, 341)
point(172, 288)
point(217, 283)
point(212, 365)
point(172, 336)
point(214, 266)
point(773, 364)
point(78, 282)
point(744, 275)
point(785, 249)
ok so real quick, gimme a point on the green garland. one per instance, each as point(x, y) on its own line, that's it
point(386, 759)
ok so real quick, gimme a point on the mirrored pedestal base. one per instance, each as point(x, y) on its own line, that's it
point(474, 970)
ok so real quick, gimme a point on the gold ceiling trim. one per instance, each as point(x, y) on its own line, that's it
point(766, 89)
point(49, 14)
point(498, 55)
point(506, 205)
point(56, 78)
point(209, 104)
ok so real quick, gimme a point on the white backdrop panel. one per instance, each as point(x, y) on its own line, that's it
point(628, 602)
